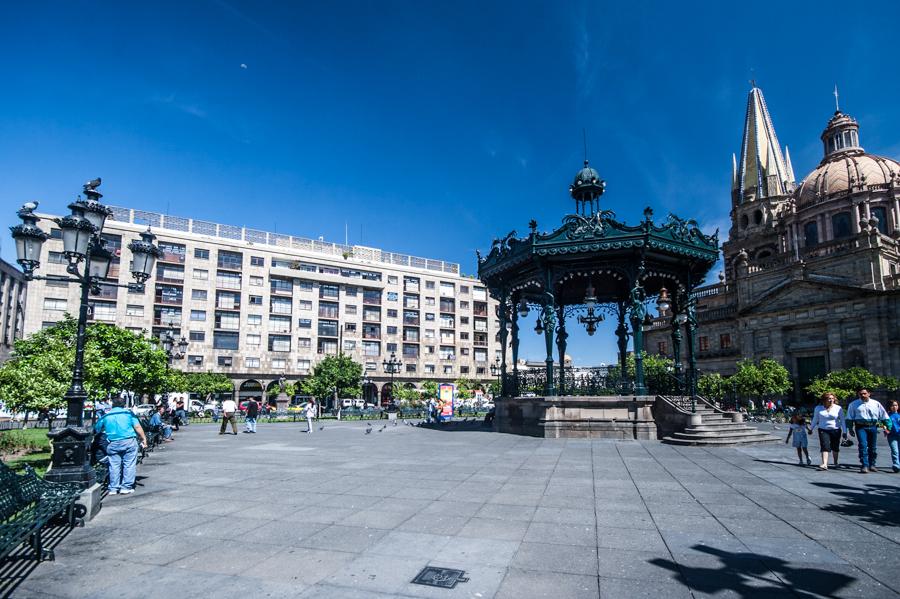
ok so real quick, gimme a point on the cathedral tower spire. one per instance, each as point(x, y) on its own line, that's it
point(762, 170)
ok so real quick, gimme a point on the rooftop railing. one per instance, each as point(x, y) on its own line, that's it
point(201, 227)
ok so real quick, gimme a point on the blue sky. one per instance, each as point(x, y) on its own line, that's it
point(428, 128)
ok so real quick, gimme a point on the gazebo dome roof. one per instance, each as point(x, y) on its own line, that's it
point(587, 179)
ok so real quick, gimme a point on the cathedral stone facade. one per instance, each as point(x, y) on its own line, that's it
point(812, 269)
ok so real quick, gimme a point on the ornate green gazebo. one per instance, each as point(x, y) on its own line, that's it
point(591, 266)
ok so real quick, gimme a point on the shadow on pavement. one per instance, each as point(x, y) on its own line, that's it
point(755, 575)
point(458, 426)
point(16, 568)
point(876, 504)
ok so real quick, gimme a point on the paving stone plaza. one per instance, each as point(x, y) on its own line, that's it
point(345, 514)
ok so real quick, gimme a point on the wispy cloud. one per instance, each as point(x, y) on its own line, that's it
point(172, 101)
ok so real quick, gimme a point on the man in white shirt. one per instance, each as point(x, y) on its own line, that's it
point(863, 418)
point(310, 413)
point(229, 408)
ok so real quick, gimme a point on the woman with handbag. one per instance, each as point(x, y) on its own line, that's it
point(828, 418)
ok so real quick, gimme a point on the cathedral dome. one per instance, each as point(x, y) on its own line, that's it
point(846, 167)
point(847, 172)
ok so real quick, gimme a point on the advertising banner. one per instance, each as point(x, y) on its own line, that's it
point(446, 396)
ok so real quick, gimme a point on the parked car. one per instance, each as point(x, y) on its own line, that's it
point(145, 409)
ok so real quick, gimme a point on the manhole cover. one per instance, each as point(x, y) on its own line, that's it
point(444, 578)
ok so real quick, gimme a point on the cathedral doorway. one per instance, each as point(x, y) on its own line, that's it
point(808, 369)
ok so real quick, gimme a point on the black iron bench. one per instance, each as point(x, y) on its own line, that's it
point(28, 503)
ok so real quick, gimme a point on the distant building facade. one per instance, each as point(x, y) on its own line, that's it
point(256, 305)
point(812, 269)
point(13, 293)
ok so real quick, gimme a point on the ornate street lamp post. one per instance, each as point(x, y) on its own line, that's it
point(81, 230)
point(497, 370)
point(392, 367)
point(174, 351)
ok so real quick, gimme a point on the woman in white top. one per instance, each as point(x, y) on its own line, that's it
point(828, 418)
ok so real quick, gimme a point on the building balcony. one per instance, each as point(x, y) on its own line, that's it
point(167, 301)
point(411, 321)
point(171, 258)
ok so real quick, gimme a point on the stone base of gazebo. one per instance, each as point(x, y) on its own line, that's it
point(603, 417)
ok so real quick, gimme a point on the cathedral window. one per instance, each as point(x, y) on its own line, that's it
point(880, 214)
point(744, 221)
point(840, 225)
point(703, 343)
point(757, 217)
point(810, 234)
point(725, 341)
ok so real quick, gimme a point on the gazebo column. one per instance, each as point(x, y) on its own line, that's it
point(622, 340)
point(514, 390)
point(676, 345)
point(503, 314)
point(548, 317)
point(561, 336)
point(692, 357)
point(637, 337)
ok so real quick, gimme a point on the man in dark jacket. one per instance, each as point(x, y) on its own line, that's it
point(252, 415)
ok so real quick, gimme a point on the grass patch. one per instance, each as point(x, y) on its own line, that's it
point(30, 446)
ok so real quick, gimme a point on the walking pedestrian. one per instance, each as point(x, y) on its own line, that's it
point(310, 413)
point(798, 430)
point(864, 416)
point(893, 435)
point(252, 414)
point(828, 419)
point(122, 429)
point(228, 410)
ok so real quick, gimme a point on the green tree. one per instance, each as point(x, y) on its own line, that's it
point(429, 389)
point(407, 395)
point(465, 388)
point(115, 360)
point(844, 383)
point(713, 385)
point(204, 383)
point(334, 371)
point(762, 379)
point(290, 389)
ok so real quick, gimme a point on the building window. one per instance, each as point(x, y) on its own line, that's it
point(448, 369)
point(305, 285)
point(254, 319)
point(197, 336)
point(390, 347)
point(327, 346)
point(349, 345)
point(279, 343)
point(429, 301)
point(224, 361)
point(447, 290)
point(304, 342)
point(224, 340)
point(256, 281)
point(810, 234)
point(134, 310)
point(662, 348)
point(279, 363)
point(481, 355)
point(303, 365)
point(200, 254)
point(429, 369)
point(463, 305)
point(200, 274)
point(410, 350)
point(463, 336)
point(464, 370)
point(350, 309)
point(463, 289)
point(228, 280)
point(257, 261)
point(371, 348)
point(51, 303)
point(328, 309)
point(195, 360)
point(57, 258)
point(703, 343)
point(464, 320)
point(230, 321)
point(231, 260)
point(255, 300)
point(410, 368)
point(280, 305)
point(464, 351)
point(429, 316)
point(329, 291)
point(328, 328)
point(279, 324)
point(371, 314)
point(350, 327)
point(725, 341)
point(103, 311)
point(429, 284)
point(448, 352)
point(199, 295)
point(254, 339)
point(304, 323)
point(391, 313)
point(305, 305)
point(391, 295)
point(391, 330)
point(840, 225)
point(880, 214)
point(392, 280)
point(251, 362)
point(198, 315)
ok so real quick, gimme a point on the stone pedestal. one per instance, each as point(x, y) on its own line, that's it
point(282, 402)
point(90, 498)
point(605, 417)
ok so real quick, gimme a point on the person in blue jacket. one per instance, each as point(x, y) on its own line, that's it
point(122, 430)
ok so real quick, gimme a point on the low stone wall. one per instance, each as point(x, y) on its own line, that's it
point(604, 417)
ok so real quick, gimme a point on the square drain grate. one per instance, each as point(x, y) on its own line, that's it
point(443, 578)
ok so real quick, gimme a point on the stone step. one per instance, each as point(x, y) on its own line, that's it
point(731, 436)
point(722, 442)
point(720, 426)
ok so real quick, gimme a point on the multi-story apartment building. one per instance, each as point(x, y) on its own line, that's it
point(257, 305)
point(12, 307)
